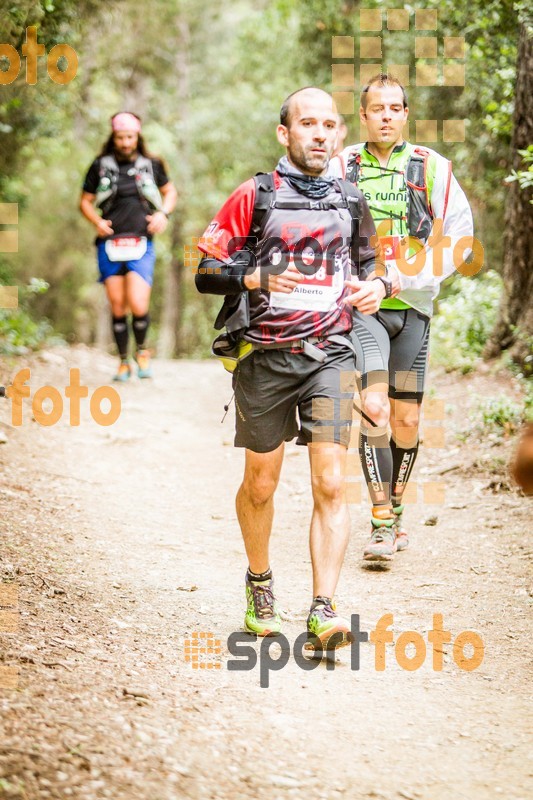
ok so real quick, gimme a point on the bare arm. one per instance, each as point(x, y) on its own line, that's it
point(103, 226)
point(157, 222)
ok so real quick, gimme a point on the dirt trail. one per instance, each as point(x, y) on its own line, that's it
point(123, 541)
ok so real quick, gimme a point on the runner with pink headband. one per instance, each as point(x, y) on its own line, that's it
point(124, 121)
point(128, 197)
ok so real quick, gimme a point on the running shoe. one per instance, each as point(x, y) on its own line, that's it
point(402, 537)
point(262, 616)
point(382, 544)
point(325, 625)
point(144, 369)
point(124, 372)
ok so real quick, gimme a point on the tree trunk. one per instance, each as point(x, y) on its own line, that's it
point(514, 328)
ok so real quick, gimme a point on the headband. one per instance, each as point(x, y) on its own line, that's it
point(124, 121)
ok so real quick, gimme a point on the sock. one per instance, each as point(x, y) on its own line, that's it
point(260, 577)
point(320, 600)
point(383, 514)
point(140, 329)
point(376, 461)
point(120, 332)
point(402, 465)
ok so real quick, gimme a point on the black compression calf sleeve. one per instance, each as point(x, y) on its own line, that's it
point(376, 461)
point(120, 332)
point(140, 329)
point(402, 465)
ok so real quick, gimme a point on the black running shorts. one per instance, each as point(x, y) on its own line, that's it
point(392, 347)
point(273, 386)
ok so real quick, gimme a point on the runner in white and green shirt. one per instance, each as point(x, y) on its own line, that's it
point(408, 190)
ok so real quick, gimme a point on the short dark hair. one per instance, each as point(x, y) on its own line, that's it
point(382, 79)
point(285, 110)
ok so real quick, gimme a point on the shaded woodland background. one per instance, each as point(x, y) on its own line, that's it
point(208, 78)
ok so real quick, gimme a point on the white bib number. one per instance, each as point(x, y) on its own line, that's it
point(126, 248)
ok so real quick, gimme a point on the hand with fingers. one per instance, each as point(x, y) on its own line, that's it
point(284, 283)
point(366, 296)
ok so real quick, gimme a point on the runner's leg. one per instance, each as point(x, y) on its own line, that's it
point(255, 505)
point(408, 368)
point(372, 346)
point(138, 292)
point(405, 421)
point(255, 512)
point(115, 287)
point(330, 521)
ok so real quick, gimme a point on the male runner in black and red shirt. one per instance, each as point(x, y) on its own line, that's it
point(301, 359)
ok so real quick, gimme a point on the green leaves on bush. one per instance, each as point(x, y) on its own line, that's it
point(464, 321)
point(18, 331)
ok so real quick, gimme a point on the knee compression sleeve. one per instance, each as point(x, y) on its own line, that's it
point(402, 465)
point(140, 328)
point(120, 332)
point(376, 461)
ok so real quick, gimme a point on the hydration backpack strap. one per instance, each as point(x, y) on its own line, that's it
point(265, 193)
point(143, 164)
point(235, 312)
point(108, 165)
point(353, 167)
point(419, 211)
point(351, 197)
point(107, 168)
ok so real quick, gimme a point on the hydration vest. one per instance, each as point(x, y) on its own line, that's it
point(234, 314)
point(419, 213)
point(144, 181)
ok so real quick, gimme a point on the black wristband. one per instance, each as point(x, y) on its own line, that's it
point(386, 283)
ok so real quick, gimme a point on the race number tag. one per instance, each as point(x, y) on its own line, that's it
point(398, 247)
point(126, 248)
point(317, 292)
point(390, 248)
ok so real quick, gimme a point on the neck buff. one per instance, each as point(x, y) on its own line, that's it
point(311, 186)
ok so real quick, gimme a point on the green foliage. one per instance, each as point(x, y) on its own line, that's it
point(524, 177)
point(500, 414)
point(464, 321)
point(19, 331)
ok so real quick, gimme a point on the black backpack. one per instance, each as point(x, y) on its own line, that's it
point(235, 314)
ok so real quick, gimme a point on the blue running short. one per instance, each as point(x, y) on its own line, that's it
point(142, 266)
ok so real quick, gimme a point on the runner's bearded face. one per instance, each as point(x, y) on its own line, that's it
point(384, 115)
point(125, 143)
point(311, 136)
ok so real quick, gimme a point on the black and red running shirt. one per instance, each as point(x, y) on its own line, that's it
point(316, 306)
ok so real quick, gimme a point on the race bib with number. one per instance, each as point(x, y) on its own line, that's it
point(317, 292)
point(395, 247)
point(126, 248)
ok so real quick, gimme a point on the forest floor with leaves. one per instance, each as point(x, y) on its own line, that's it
point(119, 543)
